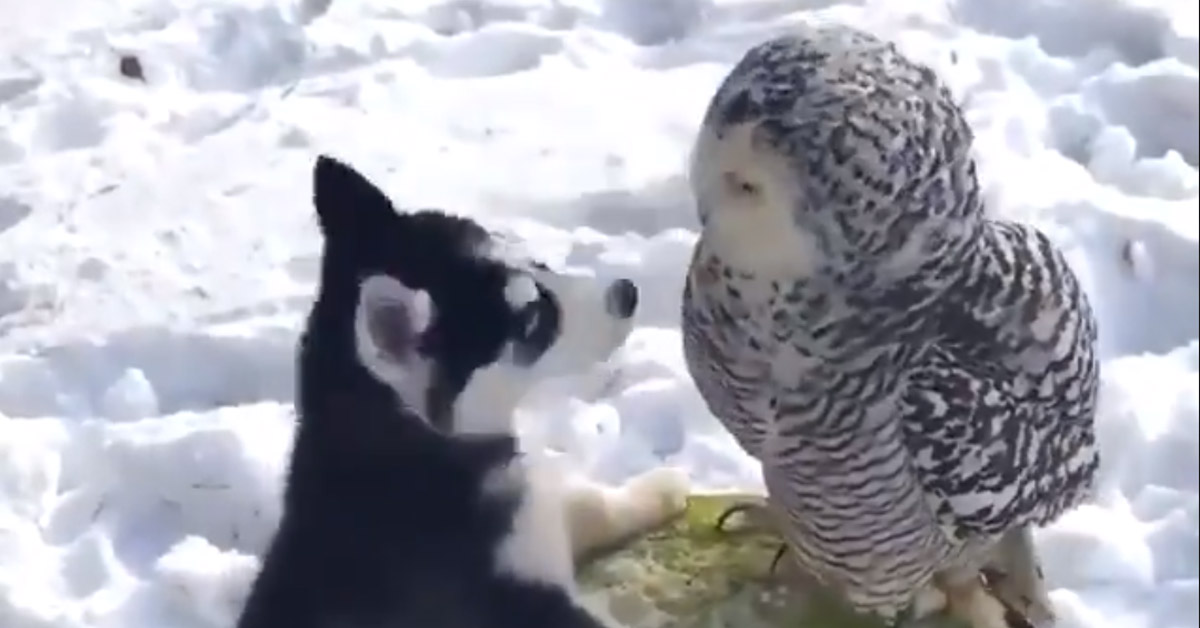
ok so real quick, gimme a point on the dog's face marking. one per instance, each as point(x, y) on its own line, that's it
point(449, 319)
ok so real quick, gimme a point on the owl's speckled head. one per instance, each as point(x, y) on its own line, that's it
point(827, 154)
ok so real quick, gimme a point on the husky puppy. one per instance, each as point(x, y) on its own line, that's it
point(409, 503)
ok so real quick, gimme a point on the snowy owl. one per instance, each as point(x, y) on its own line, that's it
point(918, 380)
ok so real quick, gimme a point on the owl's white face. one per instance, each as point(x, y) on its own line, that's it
point(831, 157)
point(746, 196)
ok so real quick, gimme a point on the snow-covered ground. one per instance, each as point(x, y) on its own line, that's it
point(157, 250)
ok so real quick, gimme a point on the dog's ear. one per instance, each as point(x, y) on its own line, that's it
point(390, 322)
point(348, 205)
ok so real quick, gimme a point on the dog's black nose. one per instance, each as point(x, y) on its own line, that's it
point(622, 298)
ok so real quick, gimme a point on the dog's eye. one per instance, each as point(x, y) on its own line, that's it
point(536, 326)
point(530, 319)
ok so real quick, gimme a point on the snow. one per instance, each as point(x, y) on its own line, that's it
point(158, 252)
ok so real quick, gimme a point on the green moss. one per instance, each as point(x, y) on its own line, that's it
point(689, 575)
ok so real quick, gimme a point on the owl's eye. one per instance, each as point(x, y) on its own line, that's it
point(740, 186)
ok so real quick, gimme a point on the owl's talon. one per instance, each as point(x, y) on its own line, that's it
point(729, 512)
point(973, 603)
point(1014, 576)
point(1015, 619)
point(748, 510)
point(758, 517)
point(755, 513)
point(779, 554)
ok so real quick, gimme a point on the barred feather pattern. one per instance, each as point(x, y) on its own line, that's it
point(931, 382)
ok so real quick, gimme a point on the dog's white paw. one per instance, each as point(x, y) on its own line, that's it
point(601, 517)
point(656, 496)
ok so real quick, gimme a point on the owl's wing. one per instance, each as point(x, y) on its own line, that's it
point(999, 418)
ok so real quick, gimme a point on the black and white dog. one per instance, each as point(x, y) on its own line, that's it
point(408, 502)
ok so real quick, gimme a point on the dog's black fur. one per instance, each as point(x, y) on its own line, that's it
point(386, 523)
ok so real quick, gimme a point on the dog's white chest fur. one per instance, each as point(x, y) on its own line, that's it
point(538, 548)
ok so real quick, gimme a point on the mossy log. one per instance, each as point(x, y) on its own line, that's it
point(690, 575)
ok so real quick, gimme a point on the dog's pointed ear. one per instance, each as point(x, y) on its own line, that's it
point(348, 205)
point(390, 322)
